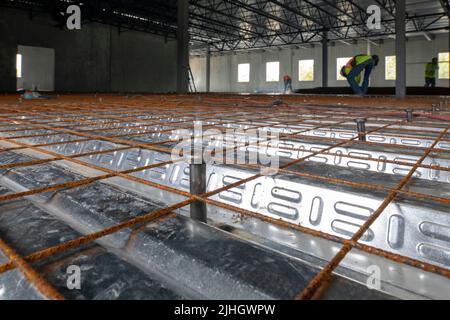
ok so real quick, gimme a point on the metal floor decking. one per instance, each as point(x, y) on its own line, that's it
point(92, 182)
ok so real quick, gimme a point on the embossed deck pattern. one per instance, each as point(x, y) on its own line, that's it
point(89, 180)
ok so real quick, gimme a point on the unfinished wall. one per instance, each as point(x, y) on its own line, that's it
point(96, 58)
point(224, 67)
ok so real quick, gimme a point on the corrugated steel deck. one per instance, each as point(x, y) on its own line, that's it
point(89, 181)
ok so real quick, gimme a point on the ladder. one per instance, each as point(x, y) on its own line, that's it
point(192, 87)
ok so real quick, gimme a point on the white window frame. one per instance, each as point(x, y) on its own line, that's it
point(339, 64)
point(443, 65)
point(272, 77)
point(386, 68)
point(244, 72)
point(19, 61)
point(306, 61)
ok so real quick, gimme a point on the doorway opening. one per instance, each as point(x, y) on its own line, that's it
point(35, 68)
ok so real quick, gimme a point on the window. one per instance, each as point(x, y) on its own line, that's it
point(272, 71)
point(18, 65)
point(306, 70)
point(444, 65)
point(390, 68)
point(340, 62)
point(244, 72)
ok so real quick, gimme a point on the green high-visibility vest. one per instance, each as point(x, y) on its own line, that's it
point(362, 58)
point(358, 60)
point(430, 70)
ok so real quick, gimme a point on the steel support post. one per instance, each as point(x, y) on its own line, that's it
point(183, 47)
point(361, 127)
point(400, 49)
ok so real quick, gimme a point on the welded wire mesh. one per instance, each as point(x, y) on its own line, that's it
point(57, 128)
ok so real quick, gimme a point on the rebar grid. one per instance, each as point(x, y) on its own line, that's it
point(169, 113)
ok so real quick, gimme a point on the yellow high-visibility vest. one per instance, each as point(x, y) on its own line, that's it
point(430, 70)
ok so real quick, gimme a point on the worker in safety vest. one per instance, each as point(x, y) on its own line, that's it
point(353, 69)
point(287, 84)
point(430, 73)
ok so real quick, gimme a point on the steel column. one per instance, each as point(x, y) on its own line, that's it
point(409, 115)
point(208, 69)
point(183, 47)
point(325, 60)
point(400, 49)
point(197, 184)
point(361, 127)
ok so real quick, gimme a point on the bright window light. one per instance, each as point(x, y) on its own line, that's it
point(18, 65)
point(272, 71)
point(306, 70)
point(444, 65)
point(244, 72)
point(340, 62)
point(390, 68)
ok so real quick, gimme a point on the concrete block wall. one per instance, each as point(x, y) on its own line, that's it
point(96, 58)
point(224, 67)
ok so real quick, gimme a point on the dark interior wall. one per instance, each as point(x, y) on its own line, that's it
point(96, 58)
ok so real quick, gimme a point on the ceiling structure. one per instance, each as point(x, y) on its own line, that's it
point(229, 25)
point(257, 23)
